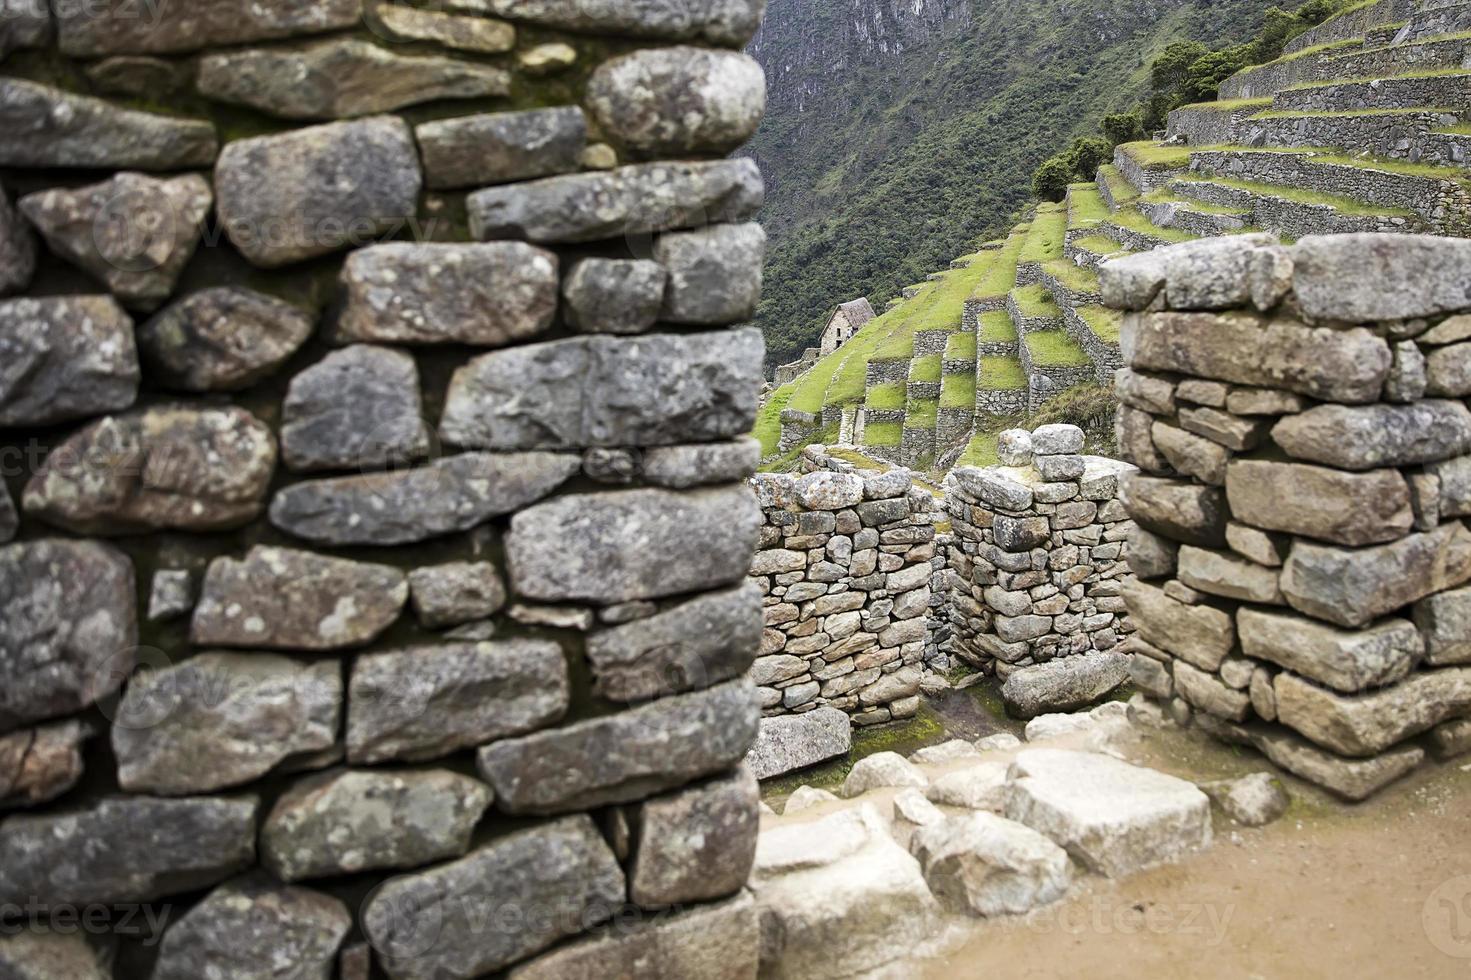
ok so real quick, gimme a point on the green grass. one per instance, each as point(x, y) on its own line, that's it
point(1053, 348)
point(1225, 105)
point(1001, 274)
point(981, 451)
point(1086, 206)
point(1339, 202)
point(938, 307)
point(768, 420)
point(996, 328)
point(1045, 238)
point(1099, 245)
point(958, 391)
point(1354, 114)
point(1001, 374)
point(883, 434)
point(1102, 321)
point(1306, 53)
point(1333, 157)
point(1155, 156)
point(961, 347)
point(1118, 185)
point(1074, 277)
point(1035, 302)
point(922, 414)
point(925, 369)
point(1163, 196)
point(887, 397)
point(1134, 221)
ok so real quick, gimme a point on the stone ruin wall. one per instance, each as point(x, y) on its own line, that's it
point(1037, 554)
point(1299, 416)
point(852, 580)
point(377, 606)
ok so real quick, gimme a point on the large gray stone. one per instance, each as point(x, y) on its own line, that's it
point(126, 849)
point(1210, 694)
point(1318, 502)
point(1209, 274)
point(426, 702)
point(452, 494)
point(167, 468)
point(39, 764)
point(501, 147)
point(728, 23)
point(982, 864)
point(1065, 684)
point(882, 770)
point(976, 787)
point(632, 544)
point(1449, 371)
point(68, 627)
point(40, 954)
point(1113, 817)
point(487, 295)
point(1178, 510)
point(478, 34)
point(678, 101)
point(712, 942)
point(650, 390)
point(134, 233)
point(1444, 620)
point(714, 273)
point(253, 928)
point(696, 844)
point(341, 78)
point(17, 247)
point(1368, 724)
point(1202, 635)
point(64, 358)
point(629, 201)
point(349, 821)
point(624, 757)
point(790, 742)
point(431, 924)
point(622, 296)
point(683, 467)
point(994, 487)
point(357, 408)
point(1358, 278)
point(222, 339)
point(1254, 800)
point(1355, 587)
point(223, 719)
point(1353, 779)
point(123, 27)
point(1224, 574)
point(24, 24)
point(693, 645)
point(1150, 555)
point(1191, 454)
point(455, 593)
point(1364, 437)
point(49, 127)
point(1334, 365)
point(310, 192)
point(1346, 660)
point(281, 599)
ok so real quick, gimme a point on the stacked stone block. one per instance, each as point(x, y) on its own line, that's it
point(846, 568)
point(1299, 419)
point(374, 525)
point(1037, 565)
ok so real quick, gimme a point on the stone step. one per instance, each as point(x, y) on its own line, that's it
point(1090, 251)
point(1438, 20)
point(1131, 228)
point(1096, 329)
point(1359, 20)
point(1446, 88)
point(1198, 217)
point(1070, 284)
point(1415, 135)
point(1429, 54)
point(1264, 81)
point(1295, 212)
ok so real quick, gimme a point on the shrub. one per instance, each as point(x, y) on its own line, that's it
point(1123, 127)
point(1051, 180)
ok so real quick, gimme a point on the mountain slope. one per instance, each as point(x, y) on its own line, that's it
point(901, 132)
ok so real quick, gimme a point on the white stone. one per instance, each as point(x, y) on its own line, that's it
point(979, 787)
point(983, 864)
point(806, 797)
point(946, 752)
point(911, 806)
point(882, 770)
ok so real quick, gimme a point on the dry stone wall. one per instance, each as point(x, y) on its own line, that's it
point(1299, 418)
point(374, 526)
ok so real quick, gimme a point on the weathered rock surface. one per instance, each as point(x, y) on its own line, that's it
point(806, 797)
point(721, 22)
point(714, 273)
point(426, 702)
point(129, 849)
point(426, 925)
point(713, 942)
point(697, 844)
point(223, 719)
point(1444, 620)
point(636, 200)
point(678, 101)
point(134, 233)
point(1364, 437)
point(310, 192)
point(487, 295)
point(792, 742)
point(39, 764)
point(624, 757)
point(1113, 817)
point(357, 408)
point(167, 468)
point(252, 928)
point(1373, 276)
point(1353, 779)
point(68, 627)
point(693, 645)
point(17, 248)
point(1354, 587)
point(978, 787)
point(683, 467)
point(1222, 573)
point(1318, 502)
point(622, 296)
point(982, 864)
point(451, 494)
point(575, 547)
point(649, 390)
point(26, 24)
point(1065, 684)
point(117, 26)
point(281, 599)
point(222, 339)
point(341, 78)
point(38, 954)
point(881, 770)
point(49, 127)
point(481, 35)
point(456, 592)
point(955, 750)
point(1346, 660)
point(347, 821)
point(1208, 274)
point(1180, 511)
point(502, 147)
point(1209, 693)
point(64, 358)
point(1202, 635)
point(1367, 724)
point(1252, 801)
point(911, 806)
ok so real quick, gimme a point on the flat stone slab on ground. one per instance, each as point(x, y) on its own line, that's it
point(792, 742)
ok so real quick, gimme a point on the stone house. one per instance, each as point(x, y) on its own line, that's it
point(846, 321)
